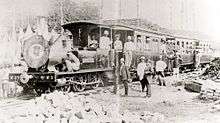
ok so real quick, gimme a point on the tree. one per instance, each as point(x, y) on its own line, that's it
point(72, 11)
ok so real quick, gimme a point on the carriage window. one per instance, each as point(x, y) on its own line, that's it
point(182, 44)
point(147, 39)
point(178, 43)
point(196, 43)
point(70, 36)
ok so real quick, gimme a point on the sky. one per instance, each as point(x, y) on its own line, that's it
point(193, 15)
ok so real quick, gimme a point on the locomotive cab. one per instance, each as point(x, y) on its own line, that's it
point(84, 33)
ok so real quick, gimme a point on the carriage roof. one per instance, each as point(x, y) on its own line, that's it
point(115, 25)
point(84, 22)
point(118, 26)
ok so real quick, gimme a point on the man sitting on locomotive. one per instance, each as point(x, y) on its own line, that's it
point(61, 67)
point(72, 62)
point(93, 43)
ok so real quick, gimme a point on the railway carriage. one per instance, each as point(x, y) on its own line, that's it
point(97, 66)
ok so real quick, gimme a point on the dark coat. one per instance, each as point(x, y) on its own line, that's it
point(124, 72)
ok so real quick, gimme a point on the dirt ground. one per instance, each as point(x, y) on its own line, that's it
point(175, 103)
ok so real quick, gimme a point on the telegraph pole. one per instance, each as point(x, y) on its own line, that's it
point(61, 15)
point(138, 12)
point(171, 15)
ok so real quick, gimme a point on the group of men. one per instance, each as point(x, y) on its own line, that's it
point(146, 71)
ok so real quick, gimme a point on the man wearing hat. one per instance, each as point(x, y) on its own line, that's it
point(125, 75)
point(105, 42)
point(139, 43)
point(93, 43)
point(144, 70)
point(129, 46)
point(160, 67)
point(117, 43)
point(176, 63)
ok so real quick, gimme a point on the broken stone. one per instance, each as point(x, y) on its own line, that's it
point(79, 115)
point(193, 86)
point(73, 119)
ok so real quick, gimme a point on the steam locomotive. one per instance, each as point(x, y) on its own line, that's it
point(97, 67)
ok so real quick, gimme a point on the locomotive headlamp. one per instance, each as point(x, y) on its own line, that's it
point(24, 78)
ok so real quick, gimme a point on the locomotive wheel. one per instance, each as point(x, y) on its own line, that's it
point(80, 87)
point(66, 88)
point(39, 91)
point(94, 86)
point(43, 89)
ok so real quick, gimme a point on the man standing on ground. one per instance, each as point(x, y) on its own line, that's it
point(196, 59)
point(125, 75)
point(144, 71)
point(176, 63)
point(160, 67)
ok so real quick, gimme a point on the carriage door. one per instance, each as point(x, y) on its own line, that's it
point(123, 32)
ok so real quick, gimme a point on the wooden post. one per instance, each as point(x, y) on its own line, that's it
point(61, 16)
point(116, 72)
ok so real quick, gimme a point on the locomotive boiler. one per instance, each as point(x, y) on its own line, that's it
point(42, 57)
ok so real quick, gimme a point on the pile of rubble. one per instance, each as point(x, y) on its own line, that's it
point(215, 106)
point(210, 91)
point(9, 89)
point(60, 107)
point(212, 71)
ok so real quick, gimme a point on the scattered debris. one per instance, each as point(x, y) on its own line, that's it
point(60, 107)
point(193, 86)
point(212, 70)
point(210, 91)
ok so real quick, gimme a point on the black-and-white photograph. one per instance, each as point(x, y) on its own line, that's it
point(109, 61)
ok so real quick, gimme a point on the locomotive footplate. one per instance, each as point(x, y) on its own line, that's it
point(32, 77)
point(14, 77)
point(43, 77)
